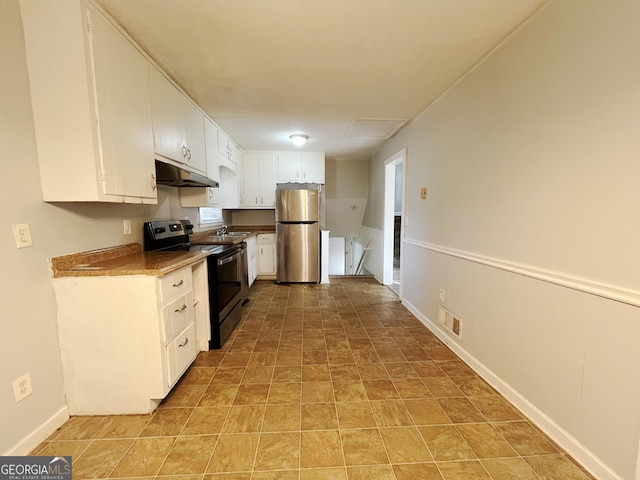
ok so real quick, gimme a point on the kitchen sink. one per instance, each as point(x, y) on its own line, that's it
point(235, 234)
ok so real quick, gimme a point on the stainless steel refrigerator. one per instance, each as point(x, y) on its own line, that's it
point(297, 236)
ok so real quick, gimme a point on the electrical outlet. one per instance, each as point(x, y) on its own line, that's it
point(441, 297)
point(22, 387)
point(127, 227)
point(22, 235)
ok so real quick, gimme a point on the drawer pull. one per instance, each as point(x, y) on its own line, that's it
point(179, 283)
point(181, 309)
point(185, 342)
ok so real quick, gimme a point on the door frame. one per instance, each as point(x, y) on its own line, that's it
point(388, 224)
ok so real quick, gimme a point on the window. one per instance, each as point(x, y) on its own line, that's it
point(210, 216)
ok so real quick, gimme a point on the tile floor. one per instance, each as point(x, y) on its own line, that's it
point(321, 382)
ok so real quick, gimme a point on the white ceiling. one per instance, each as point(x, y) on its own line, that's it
point(263, 69)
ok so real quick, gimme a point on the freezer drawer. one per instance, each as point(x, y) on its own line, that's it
point(298, 252)
point(297, 205)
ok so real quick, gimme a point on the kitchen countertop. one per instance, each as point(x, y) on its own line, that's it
point(209, 237)
point(122, 260)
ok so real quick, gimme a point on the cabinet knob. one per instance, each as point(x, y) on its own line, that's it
point(154, 185)
point(188, 154)
point(179, 283)
point(184, 150)
point(181, 309)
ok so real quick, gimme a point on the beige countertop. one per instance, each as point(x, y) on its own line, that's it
point(122, 260)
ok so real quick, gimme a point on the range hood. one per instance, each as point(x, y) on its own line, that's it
point(167, 174)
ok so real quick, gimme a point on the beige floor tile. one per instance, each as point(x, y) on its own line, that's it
point(442, 387)
point(318, 416)
point(428, 369)
point(391, 413)
point(496, 408)
point(244, 419)
point(125, 426)
point(144, 458)
point(276, 475)
point(363, 447)
point(234, 453)
point(525, 439)
point(218, 395)
point(422, 471)
point(278, 451)
point(253, 394)
point(400, 370)
point(316, 373)
point(472, 470)
point(380, 390)
point(189, 455)
point(228, 375)
point(509, 469)
point(373, 371)
point(426, 411)
point(344, 372)
point(474, 386)
point(287, 374)
point(355, 415)
point(349, 391)
point(456, 368)
point(262, 359)
point(461, 410)
point(281, 418)
point(286, 357)
point(556, 467)
point(198, 376)
point(62, 449)
point(485, 441)
point(228, 476)
point(377, 472)
point(446, 443)
point(240, 359)
point(98, 460)
point(338, 357)
point(411, 388)
point(335, 473)
point(82, 428)
point(285, 393)
point(166, 422)
point(205, 421)
point(317, 392)
point(321, 449)
point(405, 445)
point(184, 395)
point(257, 375)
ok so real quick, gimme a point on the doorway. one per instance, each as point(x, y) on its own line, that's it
point(394, 221)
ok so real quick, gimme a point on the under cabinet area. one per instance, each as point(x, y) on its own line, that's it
point(103, 150)
point(126, 340)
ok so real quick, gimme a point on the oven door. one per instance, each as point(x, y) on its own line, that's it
point(230, 284)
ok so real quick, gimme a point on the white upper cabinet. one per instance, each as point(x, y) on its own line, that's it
point(90, 97)
point(259, 179)
point(296, 167)
point(227, 152)
point(178, 126)
point(231, 188)
point(211, 150)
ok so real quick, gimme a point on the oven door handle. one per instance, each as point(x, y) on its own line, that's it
point(224, 261)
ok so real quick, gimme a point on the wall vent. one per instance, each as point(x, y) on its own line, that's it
point(382, 128)
point(450, 321)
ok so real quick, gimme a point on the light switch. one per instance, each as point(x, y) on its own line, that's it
point(423, 193)
point(22, 234)
point(127, 227)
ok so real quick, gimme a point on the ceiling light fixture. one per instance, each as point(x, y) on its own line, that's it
point(299, 139)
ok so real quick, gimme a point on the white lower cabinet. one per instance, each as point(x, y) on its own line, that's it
point(266, 255)
point(126, 341)
point(252, 259)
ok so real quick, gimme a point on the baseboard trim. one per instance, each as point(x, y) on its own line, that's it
point(36, 437)
point(564, 439)
point(605, 290)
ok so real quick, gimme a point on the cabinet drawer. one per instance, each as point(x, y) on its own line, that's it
point(177, 316)
point(266, 238)
point(180, 353)
point(175, 284)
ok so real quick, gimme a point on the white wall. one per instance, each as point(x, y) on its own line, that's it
point(532, 223)
point(28, 327)
point(346, 191)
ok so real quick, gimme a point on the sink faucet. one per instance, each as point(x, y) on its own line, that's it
point(222, 230)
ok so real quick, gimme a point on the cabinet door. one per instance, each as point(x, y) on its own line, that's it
point(289, 167)
point(194, 137)
point(167, 112)
point(267, 179)
point(266, 259)
point(181, 352)
point(229, 193)
point(252, 259)
point(211, 150)
point(251, 179)
point(124, 116)
point(313, 168)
